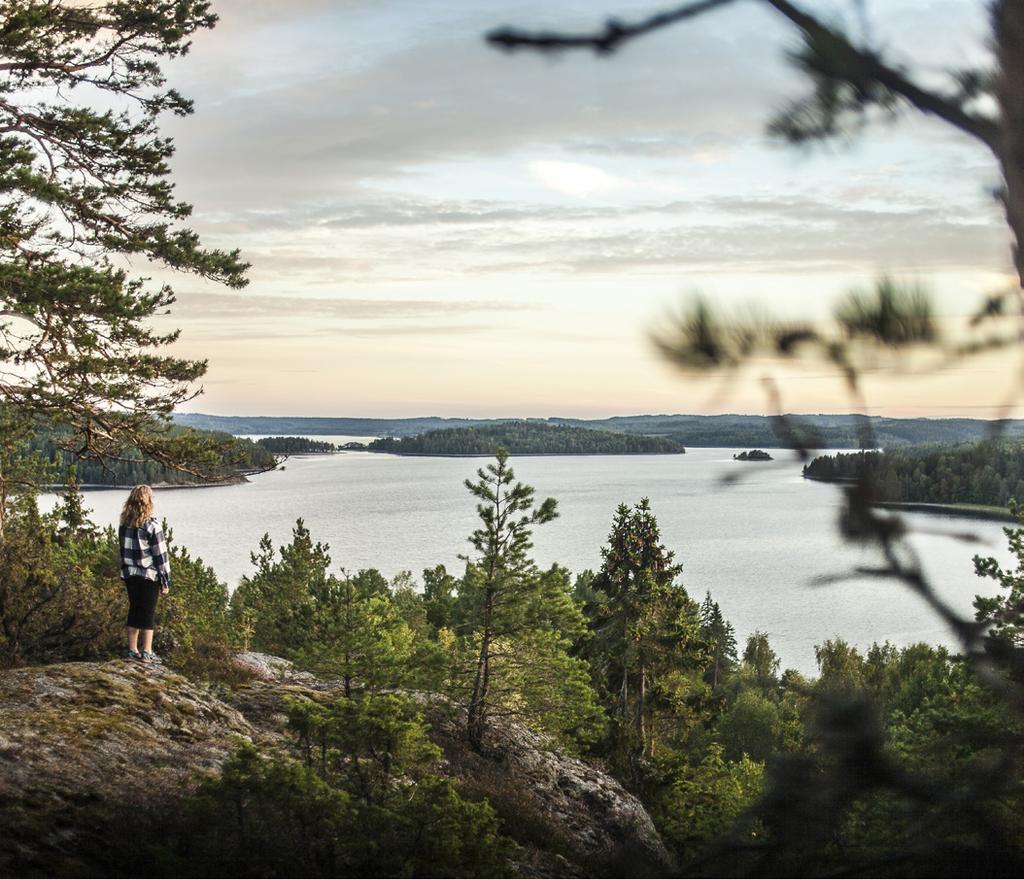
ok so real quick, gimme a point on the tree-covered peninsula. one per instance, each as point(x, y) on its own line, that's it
point(48, 453)
point(973, 473)
point(526, 438)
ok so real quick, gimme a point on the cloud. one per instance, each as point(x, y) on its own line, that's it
point(575, 179)
point(385, 239)
point(245, 305)
point(323, 132)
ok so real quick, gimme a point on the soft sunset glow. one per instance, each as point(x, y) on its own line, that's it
point(436, 227)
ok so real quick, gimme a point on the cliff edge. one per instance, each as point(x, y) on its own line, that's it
point(91, 749)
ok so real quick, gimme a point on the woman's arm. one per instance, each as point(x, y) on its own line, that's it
point(161, 558)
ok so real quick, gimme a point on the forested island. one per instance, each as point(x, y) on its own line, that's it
point(526, 438)
point(295, 445)
point(721, 431)
point(979, 474)
point(753, 455)
point(238, 458)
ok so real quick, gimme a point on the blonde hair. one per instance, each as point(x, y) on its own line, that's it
point(138, 508)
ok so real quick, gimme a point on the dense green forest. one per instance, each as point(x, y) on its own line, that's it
point(237, 458)
point(295, 445)
point(526, 438)
point(989, 473)
point(738, 431)
point(740, 762)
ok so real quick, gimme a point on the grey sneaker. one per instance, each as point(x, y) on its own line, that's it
point(149, 656)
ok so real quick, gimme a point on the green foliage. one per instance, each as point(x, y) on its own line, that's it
point(278, 600)
point(229, 457)
point(85, 171)
point(701, 801)
point(720, 637)
point(370, 746)
point(762, 662)
point(358, 634)
point(525, 438)
point(294, 445)
point(899, 773)
point(440, 591)
point(646, 651)
point(516, 624)
point(266, 817)
point(752, 726)
point(61, 596)
point(989, 473)
point(1004, 614)
point(410, 821)
point(841, 666)
point(349, 627)
point(365, 801)
point(753, 455)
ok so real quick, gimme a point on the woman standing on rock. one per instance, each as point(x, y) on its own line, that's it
point(145, 569)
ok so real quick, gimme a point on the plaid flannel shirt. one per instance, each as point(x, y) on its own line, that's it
point(144, 553)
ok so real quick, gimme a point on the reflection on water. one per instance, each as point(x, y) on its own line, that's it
point(754, 544)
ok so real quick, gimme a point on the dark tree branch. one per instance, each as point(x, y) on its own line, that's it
point(861, 65)
point(615, 32)
point(864, 66)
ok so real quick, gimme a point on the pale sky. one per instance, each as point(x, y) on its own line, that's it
point(436, 227)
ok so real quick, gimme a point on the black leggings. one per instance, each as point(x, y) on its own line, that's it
point(142, 595)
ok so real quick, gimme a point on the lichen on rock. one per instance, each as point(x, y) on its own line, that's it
point(88, 750)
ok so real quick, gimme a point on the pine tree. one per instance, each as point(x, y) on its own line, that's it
point(278, 600)
point(1004, 614)
point(517, 623)
point(85, 175)
point(358, 633)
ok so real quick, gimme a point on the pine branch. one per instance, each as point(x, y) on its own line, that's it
point(604, 42)
point(864, 66)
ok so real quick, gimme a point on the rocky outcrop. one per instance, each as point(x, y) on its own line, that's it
point(87, 749)
point(83, 745)
point(265, 667)
point(556, 802)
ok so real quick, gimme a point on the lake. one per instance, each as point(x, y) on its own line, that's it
point(756, 544)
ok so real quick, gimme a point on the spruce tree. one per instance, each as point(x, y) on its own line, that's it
point(720, 636)
point(645, 628)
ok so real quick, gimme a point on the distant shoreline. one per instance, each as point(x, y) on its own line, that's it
point(240, 479)
point(514, 455)
point(962, 511)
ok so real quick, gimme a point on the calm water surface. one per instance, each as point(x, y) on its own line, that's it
point(756, 544)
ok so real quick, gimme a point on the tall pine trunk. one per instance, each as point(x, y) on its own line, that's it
point(476, 715)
